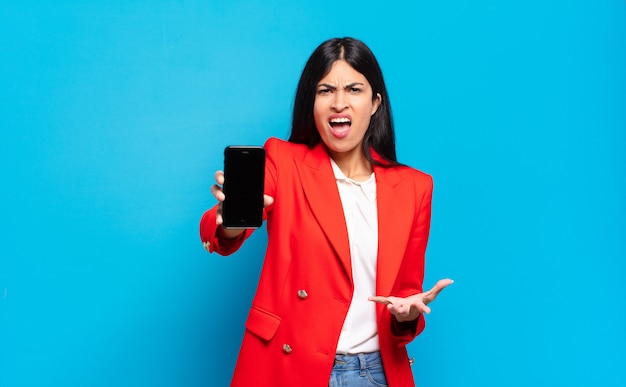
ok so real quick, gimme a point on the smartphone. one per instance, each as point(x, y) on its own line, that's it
point(244, 180)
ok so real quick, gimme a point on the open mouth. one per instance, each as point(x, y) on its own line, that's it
point(340, 126)
point(340, 121)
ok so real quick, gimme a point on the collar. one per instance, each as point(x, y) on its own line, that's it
point(368, 187)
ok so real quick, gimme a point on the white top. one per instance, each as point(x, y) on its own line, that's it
point(360, 332)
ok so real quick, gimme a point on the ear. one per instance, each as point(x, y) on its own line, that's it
point(376, 103)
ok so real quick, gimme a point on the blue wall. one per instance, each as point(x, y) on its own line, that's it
point(114, 115)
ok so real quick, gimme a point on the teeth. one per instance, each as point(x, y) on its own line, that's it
point(340, 120)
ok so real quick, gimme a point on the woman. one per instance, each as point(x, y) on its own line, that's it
point(345, 222)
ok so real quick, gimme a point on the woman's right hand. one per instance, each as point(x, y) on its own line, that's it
point(218, 193)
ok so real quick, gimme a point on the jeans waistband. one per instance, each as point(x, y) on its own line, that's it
point(360, 361)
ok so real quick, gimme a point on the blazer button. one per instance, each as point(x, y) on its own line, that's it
point(302, 294)
point(287, 348)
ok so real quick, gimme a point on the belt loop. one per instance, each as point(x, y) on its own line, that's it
point(362, 364)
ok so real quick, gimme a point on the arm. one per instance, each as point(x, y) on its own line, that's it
point(408, 303)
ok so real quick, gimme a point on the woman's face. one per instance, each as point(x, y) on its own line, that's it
point(343, 108)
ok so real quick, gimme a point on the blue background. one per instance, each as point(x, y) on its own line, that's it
point(114, 116)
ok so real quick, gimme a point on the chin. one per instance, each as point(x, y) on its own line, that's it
point(342, 148)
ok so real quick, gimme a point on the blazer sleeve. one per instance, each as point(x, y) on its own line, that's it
point(213, 240)
point(414, 260)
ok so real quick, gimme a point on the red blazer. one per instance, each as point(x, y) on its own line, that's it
point(306, 282)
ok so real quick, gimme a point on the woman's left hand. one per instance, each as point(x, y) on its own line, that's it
point(409, 308)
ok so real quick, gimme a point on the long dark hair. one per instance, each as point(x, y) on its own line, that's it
point(380, 134)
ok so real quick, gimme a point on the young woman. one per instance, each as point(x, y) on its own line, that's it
point(340, 293)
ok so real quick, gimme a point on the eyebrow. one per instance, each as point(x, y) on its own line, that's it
point(332, 87)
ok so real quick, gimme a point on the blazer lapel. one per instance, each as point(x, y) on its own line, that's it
point(395, 203)
point(320, 189)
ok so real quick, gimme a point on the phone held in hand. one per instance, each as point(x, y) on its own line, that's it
point(244, 180)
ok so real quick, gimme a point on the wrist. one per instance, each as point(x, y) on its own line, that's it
point(228, 233)
point(410, 318)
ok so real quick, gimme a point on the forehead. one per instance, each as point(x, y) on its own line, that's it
point(342, 72)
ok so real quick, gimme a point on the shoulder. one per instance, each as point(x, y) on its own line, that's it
point(280, 151)
point(409, 174)
point(275, 146)
point(401, 172)
point(274, 143)
point(412, 173)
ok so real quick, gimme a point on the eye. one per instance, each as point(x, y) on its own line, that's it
point(323, 91)
point(355, 90)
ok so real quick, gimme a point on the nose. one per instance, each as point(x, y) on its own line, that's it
point(340, 102)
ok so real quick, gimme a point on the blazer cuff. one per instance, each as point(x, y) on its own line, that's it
point(212, 239)
point(406, 331)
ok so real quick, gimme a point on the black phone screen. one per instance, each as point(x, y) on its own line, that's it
point(244, 179)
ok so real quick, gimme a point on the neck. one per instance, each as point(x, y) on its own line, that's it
point(354, 165)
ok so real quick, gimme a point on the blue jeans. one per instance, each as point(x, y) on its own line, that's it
point(362, 370)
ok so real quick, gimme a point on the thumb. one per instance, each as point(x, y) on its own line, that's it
point(434, 292)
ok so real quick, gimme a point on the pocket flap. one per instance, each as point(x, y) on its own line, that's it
point(262, 323)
